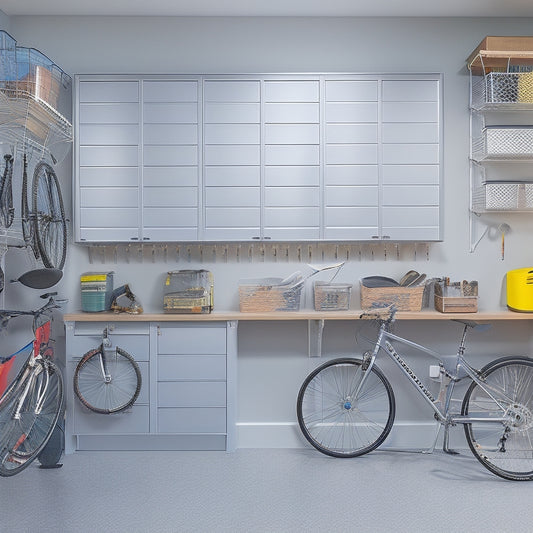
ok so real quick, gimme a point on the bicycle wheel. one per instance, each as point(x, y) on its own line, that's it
point(334, 420)
point(107, 382)
point(49, 213)
point(505, 448)
point(31, 417)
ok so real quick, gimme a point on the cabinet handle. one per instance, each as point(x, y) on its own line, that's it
point(386, 237)
point(375, 236)
point(267, 238)
point(256, 238)
point(146, 238)
point(134, 238)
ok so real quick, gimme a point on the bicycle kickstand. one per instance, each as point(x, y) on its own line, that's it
point(445, 445)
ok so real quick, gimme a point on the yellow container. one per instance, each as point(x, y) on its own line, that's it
point(520, 290)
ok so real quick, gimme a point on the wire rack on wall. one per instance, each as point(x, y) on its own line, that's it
point(256, 252)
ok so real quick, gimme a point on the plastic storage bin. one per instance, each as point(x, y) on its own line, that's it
point(331, 296)
point(520, 290)
point(188, 291)
point(96, 291)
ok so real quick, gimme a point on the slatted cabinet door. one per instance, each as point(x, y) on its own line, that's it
point(411, 159)
point(232, 159)
point(108, 144)
point(291, 202)
point(351, 177)
point(170, 160)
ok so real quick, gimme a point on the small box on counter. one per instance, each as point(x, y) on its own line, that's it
point(456, 297)
point(96, 291)
point(188, 291)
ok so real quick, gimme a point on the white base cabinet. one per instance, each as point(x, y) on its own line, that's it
point(187, 394)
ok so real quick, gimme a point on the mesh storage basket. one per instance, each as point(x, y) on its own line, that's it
point(502, 142)
point(501, 196)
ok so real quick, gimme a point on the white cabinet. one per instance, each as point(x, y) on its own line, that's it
point(187, 398)
point(138, 157)
point(383, 159)
point(259, 157)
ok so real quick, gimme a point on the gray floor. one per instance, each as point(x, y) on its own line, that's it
point(263, 491)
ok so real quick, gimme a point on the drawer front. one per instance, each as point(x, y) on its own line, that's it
point(134, 420)
point(191, 367)
point(137, 346)
point(192, 339)
point(191, 394)
point(135, 341)
point(191, 420)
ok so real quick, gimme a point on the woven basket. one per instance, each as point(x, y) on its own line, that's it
point(264, 298)
point(403, 298)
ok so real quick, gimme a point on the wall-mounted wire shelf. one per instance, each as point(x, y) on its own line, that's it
point(35, 100)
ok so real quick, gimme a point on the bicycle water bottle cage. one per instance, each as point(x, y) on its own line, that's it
point(124, 301)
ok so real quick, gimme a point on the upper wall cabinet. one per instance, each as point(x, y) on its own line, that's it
point(264, 157)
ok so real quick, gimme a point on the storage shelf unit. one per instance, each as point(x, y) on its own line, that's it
point(501, 127)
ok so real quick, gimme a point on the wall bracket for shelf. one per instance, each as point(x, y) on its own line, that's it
point(315, 329)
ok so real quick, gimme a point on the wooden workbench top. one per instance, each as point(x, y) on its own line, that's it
point(354, 314)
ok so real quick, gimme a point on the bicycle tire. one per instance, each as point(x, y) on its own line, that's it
point(107, 396)
point(7, 211)
point(334, 422)
point(49, 212)
point(505, 450)
point(28, 221)
point(24, 437)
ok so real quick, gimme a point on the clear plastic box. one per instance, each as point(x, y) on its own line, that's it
point(188, 291)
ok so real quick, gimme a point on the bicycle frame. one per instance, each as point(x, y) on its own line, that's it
point(453, 367)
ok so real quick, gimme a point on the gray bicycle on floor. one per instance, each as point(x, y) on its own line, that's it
point(346, 406)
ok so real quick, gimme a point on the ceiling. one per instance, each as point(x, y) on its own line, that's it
point(311, 8)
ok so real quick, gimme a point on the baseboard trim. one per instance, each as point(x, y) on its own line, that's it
point(405, 435)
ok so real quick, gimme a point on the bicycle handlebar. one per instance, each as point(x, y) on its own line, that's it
point(7, 314)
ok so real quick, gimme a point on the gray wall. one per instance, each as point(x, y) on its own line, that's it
point(272, 359)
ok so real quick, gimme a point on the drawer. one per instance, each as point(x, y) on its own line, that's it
point(191, 420)
point(192, 339)
point(191, 367)
point(135, 341)
point(144, 394)
point(191, 394)
point(134, 420)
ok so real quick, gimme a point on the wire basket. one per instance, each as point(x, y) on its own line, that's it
point(502, 88)
point(502, 196)
point(504, 142)
point(268, 294)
